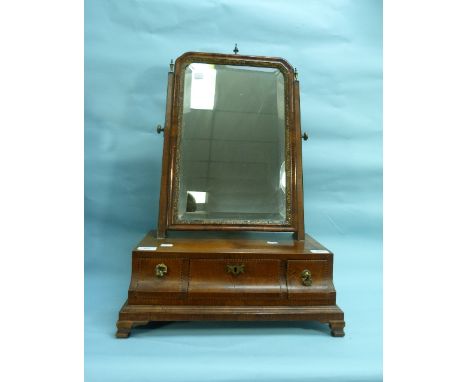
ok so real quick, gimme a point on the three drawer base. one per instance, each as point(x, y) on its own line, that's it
point(235, 279)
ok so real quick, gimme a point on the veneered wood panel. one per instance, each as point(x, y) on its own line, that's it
point(209, 277)
point(321, 278)
point(147, 281)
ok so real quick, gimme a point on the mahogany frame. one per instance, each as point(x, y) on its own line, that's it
point(294, 202)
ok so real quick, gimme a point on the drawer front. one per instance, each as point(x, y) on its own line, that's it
point(308, 276)
point(160, 275)
point(243, 277)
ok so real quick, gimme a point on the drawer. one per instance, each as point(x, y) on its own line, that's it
point(159, 275)
point(308, 276)
point(243, 277)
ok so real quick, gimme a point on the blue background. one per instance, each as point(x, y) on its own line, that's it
point(337, 49)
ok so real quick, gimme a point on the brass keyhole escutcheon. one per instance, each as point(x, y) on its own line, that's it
point(161, 270)
point(306, 277)
point(235, 269)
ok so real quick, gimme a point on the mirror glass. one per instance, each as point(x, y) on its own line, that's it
point(231, 158)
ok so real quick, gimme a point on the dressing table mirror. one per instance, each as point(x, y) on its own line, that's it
point(230, 241)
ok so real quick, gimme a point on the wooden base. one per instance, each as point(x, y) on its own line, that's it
point(233, 279)
point(131, 316)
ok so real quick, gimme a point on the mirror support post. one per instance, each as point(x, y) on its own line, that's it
point(299, 234)
point(165, 167)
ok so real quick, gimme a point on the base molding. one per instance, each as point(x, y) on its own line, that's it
point(131, 316)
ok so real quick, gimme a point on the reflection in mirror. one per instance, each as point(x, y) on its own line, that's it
point(231, 163)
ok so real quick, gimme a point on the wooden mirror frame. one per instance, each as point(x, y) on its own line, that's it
point(293, 154)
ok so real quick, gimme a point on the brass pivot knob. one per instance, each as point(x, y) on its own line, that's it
point(306, 277)
point(305, 137)
point(161, 270)
point(159, 129)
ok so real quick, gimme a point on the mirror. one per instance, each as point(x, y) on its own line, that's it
point(231, 165)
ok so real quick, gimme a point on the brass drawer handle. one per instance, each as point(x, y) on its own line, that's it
point(161, 270)
point(306, 277)
point(235, 269)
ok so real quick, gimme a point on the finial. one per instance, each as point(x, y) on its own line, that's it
point(235, 49)
point(171, 65)
point(295, 73)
